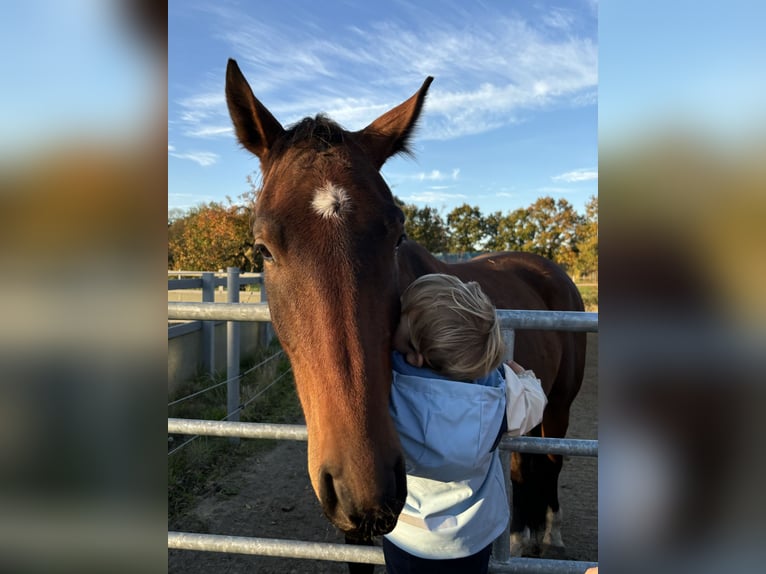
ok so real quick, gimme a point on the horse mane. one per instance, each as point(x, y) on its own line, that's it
point(319, 133)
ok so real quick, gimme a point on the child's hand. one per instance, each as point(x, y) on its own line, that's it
point(515, 367)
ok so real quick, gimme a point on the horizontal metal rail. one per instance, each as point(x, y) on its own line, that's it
point(548, 320)
point(540, 566)
point(275, 547)
point(509, 319)
point(548, 445)
point(258, 275)
point(219, 311)
point(563, 446)
point(174, 284)
point(343, 552)
point(237, 429)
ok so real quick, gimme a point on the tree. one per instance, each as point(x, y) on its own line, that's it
point(550, 229)
point(425, 226)
point(213, 236)
point(587, 243)
point(467, 228)
point(510, 232)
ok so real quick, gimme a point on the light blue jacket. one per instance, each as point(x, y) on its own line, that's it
point(456, 500)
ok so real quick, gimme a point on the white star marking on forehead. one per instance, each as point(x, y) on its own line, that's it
point(330, 201)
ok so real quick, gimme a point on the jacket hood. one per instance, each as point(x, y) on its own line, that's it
point(447, 428)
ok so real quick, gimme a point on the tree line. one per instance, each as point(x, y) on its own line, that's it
point(219, 235)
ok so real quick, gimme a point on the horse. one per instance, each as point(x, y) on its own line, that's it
point(336, 259)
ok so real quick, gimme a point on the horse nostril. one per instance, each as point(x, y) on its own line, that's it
point(367, 516)
point(327, 494)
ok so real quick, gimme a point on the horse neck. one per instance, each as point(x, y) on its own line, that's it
point(414, 260)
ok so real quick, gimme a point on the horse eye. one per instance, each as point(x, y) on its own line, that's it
point(402, 237)
point(264, 251)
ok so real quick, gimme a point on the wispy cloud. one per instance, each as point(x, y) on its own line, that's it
point(488, 75)
point(203, 158)
point(577, 175)
point(559, 18)
point(209, 131)
point(203, 116)
point(437, 175)
point(433, 175)
point(433, 196)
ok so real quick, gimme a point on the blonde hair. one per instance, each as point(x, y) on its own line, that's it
point(453, 325)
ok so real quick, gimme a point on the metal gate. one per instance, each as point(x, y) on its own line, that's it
point(501, 561)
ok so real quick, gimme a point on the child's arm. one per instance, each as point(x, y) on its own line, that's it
point(525, 399)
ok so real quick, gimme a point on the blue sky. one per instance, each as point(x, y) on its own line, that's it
point(511, 115)
point(682, 63)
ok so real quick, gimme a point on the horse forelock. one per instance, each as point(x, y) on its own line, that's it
point(319, 133)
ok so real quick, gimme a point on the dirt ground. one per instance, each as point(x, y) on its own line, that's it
point(270, 496)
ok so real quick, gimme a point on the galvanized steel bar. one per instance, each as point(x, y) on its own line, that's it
point(276, 547)
point(501, 546)
point(565, 446)
point(509, 319)
point(219, 311)
point(282, 548)
point(548, 320)
point(240, 429)
point(539, 566)
point(208, 327)
point(268, 328)
point(232, 350)
point(509, 338)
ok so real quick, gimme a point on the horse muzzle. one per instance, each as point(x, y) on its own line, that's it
point(362, 513)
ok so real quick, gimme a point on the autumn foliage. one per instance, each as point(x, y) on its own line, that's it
point(211, 237)
point(216, 235)
point(548, 227)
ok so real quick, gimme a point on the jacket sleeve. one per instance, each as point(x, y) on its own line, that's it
point(525, 402)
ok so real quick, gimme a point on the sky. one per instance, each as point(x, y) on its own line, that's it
point(699, 65)
point(510, 117)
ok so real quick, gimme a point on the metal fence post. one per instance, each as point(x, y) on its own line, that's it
point(501, 547)
point(268, 329)
point(232, 350)
point(208, 327)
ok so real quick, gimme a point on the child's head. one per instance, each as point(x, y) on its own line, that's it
point(449, 326)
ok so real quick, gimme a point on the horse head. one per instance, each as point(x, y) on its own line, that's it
point(328, 228)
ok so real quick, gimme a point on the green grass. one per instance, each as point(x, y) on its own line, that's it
point(194, 467)
point(589, 296)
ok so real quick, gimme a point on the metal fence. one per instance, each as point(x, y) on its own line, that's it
point(232, 279)
point(207, 281)
point(501, 562)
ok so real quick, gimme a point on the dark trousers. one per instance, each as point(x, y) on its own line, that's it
point(400, 562)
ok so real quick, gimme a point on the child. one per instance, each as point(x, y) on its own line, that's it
point(456, 504)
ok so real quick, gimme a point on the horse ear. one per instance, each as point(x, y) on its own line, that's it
point(256, 128)
point(389, 134)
